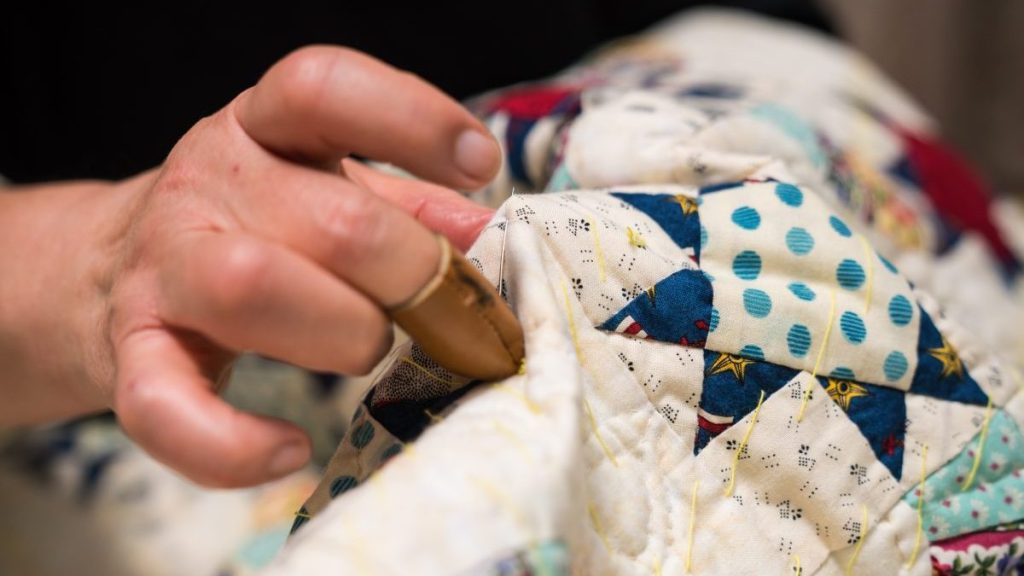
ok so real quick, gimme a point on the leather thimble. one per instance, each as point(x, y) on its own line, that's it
point(462, 322)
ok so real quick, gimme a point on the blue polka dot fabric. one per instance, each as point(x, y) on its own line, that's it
point(785, 285)
point(799, 274)
point(746, 217)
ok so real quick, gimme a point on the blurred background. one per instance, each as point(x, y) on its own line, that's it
point(962, 60)
point(96, 92)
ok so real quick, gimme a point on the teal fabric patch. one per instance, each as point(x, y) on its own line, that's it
point(261, 548)
point(995, 497)
point(794, 127)
point(550, 558)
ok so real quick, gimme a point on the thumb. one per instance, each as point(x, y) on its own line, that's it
point(165, 403)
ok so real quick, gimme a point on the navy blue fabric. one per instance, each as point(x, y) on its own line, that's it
point(676, 310)
point(933, 377)
point(669, 214)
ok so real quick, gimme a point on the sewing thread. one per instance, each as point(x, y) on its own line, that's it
point(422, 369)
point(596, 521)
point(597, 434)
point(920, 509)
point(821, 355)
point(504, 502)
point(635, 239)
point(743, 446)
point(981, 448)
point(572, 324)
point(860, 540)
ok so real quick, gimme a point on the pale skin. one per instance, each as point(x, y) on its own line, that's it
point(256, 234)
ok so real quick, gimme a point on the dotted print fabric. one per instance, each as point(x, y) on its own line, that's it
point(725, 374)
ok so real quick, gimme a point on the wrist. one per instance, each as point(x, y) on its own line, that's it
point(59, 246)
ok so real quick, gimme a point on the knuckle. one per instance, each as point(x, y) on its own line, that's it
point(237, 277)
point(177, 175)
point(353, 227)
point(304, 76)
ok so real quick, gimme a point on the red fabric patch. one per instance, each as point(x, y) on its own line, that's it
point(532, 103)
point(955, 189)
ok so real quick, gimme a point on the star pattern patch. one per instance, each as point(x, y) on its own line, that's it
point(941, 372)
point(677, 310)
point(844, 312)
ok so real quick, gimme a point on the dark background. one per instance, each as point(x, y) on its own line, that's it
point(90, 94)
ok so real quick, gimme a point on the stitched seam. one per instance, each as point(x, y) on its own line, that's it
point(459, 289)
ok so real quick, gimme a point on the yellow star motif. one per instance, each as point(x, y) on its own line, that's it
point(729, 363)
point(651, 294)
point(687, 204)
point(951, 363)
point(842, 392)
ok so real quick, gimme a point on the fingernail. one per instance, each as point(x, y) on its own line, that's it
point(289, 459)
point(477, 155)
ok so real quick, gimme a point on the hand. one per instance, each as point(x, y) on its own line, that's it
point(254, 235)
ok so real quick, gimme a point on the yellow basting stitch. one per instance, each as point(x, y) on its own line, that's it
point(572, 324)
point(505, 502)
point(742, 446)
point(516, 440)
point(635, 239)
point(920, 509)
point(597, 434)
point(860, 540)
point(426, 372)
point(582, 360)
point(1015, 374)
point(821, 355)
point(693, 524)
point(434, 418)
point(596, 521)
point(508, 388)
point(981, 448)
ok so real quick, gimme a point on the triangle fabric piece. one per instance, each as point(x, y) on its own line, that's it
point(940, 371)
point(675, 213)
point(732, 387)
point(676, 310)
point(880, 414)
point(943, 426)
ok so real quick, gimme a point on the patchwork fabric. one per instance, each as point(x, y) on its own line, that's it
point(732, 388)
point(779, 258)
point(709, 300)
point(548, 558)
point(822, 451)
point(667, 373)
point(727, 373)
point(996, 494)
point(999, 551)
point(117, 511)
point(676, 309)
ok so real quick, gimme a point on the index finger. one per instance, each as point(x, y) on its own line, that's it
point(321, 103)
